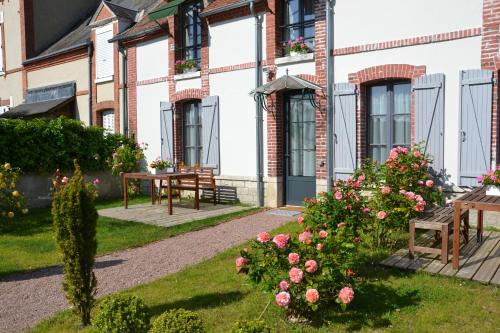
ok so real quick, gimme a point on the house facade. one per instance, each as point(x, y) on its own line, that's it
point(423, 72)
point(403, 72)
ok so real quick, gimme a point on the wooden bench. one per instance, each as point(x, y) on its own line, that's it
point(439, 219)
point(206, 181)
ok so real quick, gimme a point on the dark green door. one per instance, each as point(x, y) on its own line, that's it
point(300, 148)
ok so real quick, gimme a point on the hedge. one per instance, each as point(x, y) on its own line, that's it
point(42, 145)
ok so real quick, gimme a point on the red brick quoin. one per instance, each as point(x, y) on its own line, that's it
point(374, 74)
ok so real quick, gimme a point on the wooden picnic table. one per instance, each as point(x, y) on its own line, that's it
point(475, 199)
point(168, 178)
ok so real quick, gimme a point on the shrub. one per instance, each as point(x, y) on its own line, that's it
point(42, 145)
point(177, 321)
point(402, 189)
point(121, 314)
point(251, 326)
point(304, 272)
point(127, 158)
point(11, 201)
point(75, 219)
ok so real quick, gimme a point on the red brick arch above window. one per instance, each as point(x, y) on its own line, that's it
point(188, 94)
point(106, 105)
point(384, 72)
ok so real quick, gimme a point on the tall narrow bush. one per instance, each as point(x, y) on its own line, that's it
point(75, 219)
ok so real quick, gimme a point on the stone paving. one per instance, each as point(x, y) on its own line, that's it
point(158, 214)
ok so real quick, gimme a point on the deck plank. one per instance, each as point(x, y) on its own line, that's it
point(472, 265)
point(496, 278)
point(436, 265)
point(490, 265)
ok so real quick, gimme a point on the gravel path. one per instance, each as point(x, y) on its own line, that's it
point(26, 299)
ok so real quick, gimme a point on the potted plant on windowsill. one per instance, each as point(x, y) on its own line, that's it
point(186, 66)
point(491, 180)
point(297, 46)
point(159, 166)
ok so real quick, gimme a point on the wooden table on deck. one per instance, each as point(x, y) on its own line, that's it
point(475, 199)
point(168, 177)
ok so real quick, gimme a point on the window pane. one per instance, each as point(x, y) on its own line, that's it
point(401, 135)
point(295, 163)
point(402, 98)
point(308, 9)
point(309, 158)
point(192, 133)
point(378, 100)
point(292, 13)
point(378, 130)
point(309, 136)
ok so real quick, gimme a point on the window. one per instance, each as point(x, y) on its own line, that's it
point(2, 69)
point(108, 121)
point(104, 53)
point(191, 31)
point(298, 21)
point(388, 118)
point(193, 150)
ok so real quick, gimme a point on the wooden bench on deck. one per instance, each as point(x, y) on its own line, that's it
point(206, 181)
point(438, 219)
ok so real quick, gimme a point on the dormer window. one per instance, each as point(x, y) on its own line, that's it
point(104, 53)
point(298, 23)
point(190, 23)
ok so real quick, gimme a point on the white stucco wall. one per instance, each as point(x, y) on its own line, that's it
point(148, 117)
point(237, 121)
point(367, 21)
point(232, 42)
point(447, 57)
point(152, 59)
point(307, 67)
point(194, 83)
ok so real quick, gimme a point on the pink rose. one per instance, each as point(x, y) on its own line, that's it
point(311, 266)
point(300, 220)
point(381, 215)
point(429, 183)
point(293, 258)
point(282, 299)
point(361, 178)
point(320, 247)
point(296, 275)
point(338, 195)
point(385, 189)
point(263, 237)
point(419, 198)
point(346, 295)
point(341, 225)
point(304, 236)
point(410, 195)
point(280, 241)
point(240, 263)
point(420, 206)
point(417, 154)
point(96, 181)
point(393, 154)
point(366, 210)
point(323, 234)
point(312, 295)
point(283, 285)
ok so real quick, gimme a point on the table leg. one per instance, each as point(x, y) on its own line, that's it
point(159, 192)
point(456, 235)
point(197, 194)
point(152, 192)
point(125, 199)
point(169, 196)
point(480, 217)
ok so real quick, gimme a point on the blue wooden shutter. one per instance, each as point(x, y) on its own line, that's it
point(476, 91)
point(429, 118)
point(344, 130)
point(210, 133)
point(167, 134)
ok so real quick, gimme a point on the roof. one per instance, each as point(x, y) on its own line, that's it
point(79, 36)
point(284, 83)
point(37, 108)
point(218, 6)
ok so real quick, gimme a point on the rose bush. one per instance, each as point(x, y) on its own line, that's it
point(402, 188)
point(128, 158)
point(303, 272)
point(11, 200)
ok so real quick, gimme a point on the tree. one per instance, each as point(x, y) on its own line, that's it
point(75, 219)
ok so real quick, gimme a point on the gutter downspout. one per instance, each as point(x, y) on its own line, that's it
point(90, 51)
point(330, 103)
point(259, 120)
point(124, 52)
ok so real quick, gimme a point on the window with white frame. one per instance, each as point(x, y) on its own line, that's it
point(2, 69)
point(104, 53)
point(108, 121)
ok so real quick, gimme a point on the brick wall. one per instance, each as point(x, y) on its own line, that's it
point(132, 89)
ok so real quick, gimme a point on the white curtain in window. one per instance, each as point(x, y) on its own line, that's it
point(108, 121)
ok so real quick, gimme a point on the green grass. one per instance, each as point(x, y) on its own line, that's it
point(28, 243)
point(386, 300)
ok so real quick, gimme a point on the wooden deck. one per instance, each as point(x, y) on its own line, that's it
point(478, 261)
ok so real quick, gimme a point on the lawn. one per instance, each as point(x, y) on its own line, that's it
point(28, 243)
point(387, 300)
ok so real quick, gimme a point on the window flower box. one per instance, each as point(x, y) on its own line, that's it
point(491, 180)
point(186, 66)
point(297, 47)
